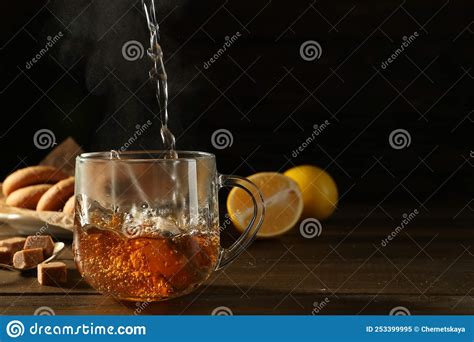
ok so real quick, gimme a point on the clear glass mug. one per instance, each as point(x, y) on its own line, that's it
point(146, 228)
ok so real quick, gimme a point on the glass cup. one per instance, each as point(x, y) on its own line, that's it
point(146, 228)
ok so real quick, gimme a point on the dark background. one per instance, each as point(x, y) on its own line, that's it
point(261, 90)
point(269, 98)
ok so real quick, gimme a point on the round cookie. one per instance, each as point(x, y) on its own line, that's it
point(31, 176)
point(27, 197)
point(55, 198)
point(69, 206)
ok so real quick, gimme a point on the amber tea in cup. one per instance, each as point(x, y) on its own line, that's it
point(147, 227)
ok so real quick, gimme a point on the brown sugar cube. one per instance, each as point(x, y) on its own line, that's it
point(40, 241)
point(5, 256)
point(28, 258)
point(53, 273)
point(13, 244)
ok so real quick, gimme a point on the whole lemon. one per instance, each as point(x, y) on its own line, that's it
point(319, 190)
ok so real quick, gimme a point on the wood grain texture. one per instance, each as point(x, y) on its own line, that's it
point(427, 268)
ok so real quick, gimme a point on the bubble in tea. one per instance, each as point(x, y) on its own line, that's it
point(159, 261)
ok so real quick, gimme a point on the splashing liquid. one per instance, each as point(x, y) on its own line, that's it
point(159, 78)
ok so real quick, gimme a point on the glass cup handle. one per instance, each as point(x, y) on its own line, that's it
point(227, 255)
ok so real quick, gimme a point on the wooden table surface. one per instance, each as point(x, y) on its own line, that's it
point(426, 269)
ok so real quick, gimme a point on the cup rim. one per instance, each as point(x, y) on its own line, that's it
point(148, 156)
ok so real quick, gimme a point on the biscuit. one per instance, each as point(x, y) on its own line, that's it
point(28, 197)
point(55, 198)
point(32, 175)
point(70, 205)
